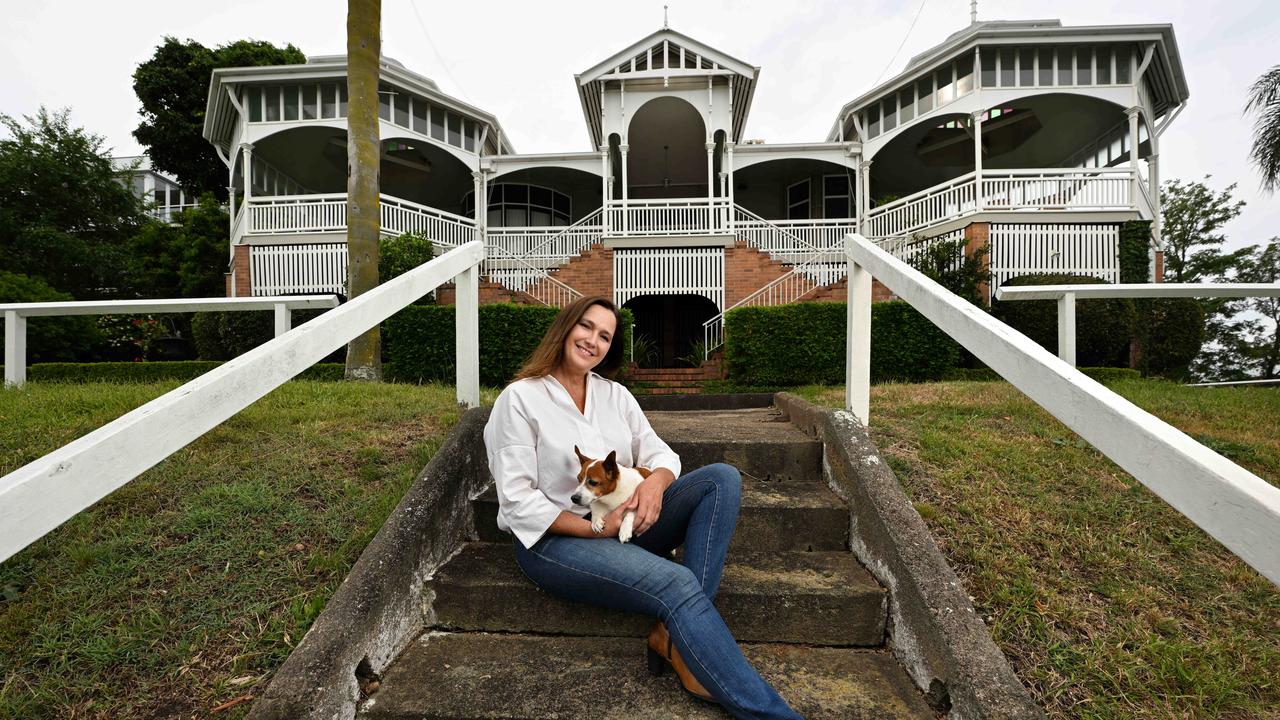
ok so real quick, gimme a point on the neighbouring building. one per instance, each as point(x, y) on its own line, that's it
point(1031, 138)
point(164, 197)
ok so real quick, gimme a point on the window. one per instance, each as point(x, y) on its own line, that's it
point(1064, 67)
point(907, 104)
point(1027, 67)
point(946, 89)
point(989, 68)
point(290, 102)
point(1122, 65)
point(873, 121)
point(798, 201)
point(924, 90)
point(469, 136)
point(272, 95)
point(437, 122)
point(964, 76)
point(518, 204)
point(402, 109)
point(328, 100)
point(890, 114)
point(420, 116)
point(255, 104)
point(455, 130)
point(1007, 67)
point(1084, 66)
point(342, 99)
point(1104, 65)
point(384, 102)
point(308, 102)
point(1046, 67)
point(835, 196)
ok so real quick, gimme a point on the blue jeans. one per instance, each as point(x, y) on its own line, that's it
point(699, 511)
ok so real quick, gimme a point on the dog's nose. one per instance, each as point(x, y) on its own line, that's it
point(576, 499)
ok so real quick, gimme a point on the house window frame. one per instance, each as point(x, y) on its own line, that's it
point(807, 202)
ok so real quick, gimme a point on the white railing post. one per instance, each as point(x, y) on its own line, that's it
point(857, 366)
point(15, 349)
point(467, 342)
point(283, 318)
point(1067, 328)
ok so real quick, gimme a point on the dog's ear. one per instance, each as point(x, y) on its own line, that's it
point(581, 458)
point(611, 463)
point(644, 471)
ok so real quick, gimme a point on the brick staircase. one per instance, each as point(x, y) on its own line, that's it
point(674, 381)
point(810, 618)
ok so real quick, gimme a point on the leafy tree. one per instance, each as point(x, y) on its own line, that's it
point(184, 259)
point(1193, 218)
point(945, 262)
point(1264, 99)
point(64, 214)
point(1246, 338)
point(173, 87)
point(49, 339)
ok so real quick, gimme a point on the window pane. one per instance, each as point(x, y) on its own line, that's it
point(562, 204)
point(384, 103)
point(494, 217)
point(328, 101)
point(455, 130)
point(469, 136)
point(1104, 65)
point(989, 68)
point(290, 102)
point(798, 193)
point(835, 186)
point(873, 121)
point(906, 104)
point(402, 110)
point(517, 216)
point(342, 99)
point(308, 102)
point(964, 76)
point(946, 91)
point(1027, 67)
point(1122, 65)
point(437, 123)
point(798, 212)
point(1064, 66)
point(835, 207)
point(924, 91)
point(890, 114)
point(540, 196)
point(420, 115)
point(539, 217)
point(1007, 67)
point(517, 194)
point(1084, 65)
point(273, 103)
point(1046, 67)
point(255, 104)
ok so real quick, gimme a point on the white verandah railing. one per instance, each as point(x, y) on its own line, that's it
point(667, 216)
point(325, 213)
point(1236, 507)
point(43, 494)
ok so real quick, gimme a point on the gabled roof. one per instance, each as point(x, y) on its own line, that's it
point(666, 54)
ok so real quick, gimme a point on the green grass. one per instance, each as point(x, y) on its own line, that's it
point(1107, 602)
point(189, 586)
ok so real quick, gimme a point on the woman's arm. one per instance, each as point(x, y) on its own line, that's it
point(569, 524)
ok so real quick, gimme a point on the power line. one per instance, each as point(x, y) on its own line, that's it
point(431, 44)
point(901, 44)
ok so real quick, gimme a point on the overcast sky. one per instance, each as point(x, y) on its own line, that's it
point(516, 59)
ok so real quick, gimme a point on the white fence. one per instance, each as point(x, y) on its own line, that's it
point(680, 271)
point(1092, 250)
point(291, 269)
point(924, 209)
point(666, 217)
point(1239, 509)
point(295, 214)
point(43, 494)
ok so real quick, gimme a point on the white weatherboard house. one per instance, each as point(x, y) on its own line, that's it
point(1032, 138)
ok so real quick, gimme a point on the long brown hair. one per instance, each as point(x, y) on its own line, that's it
point(550, 351)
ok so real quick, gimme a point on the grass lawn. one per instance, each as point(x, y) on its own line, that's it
point(1108, 603)
point(187, 587)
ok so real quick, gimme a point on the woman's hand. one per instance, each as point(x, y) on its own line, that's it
point(647, 500)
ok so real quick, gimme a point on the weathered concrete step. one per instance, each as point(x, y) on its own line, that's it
point(758, 441)
point(816, 598)
point(478, 675)
point(774, 516)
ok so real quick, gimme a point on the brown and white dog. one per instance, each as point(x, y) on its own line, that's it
point(604, 485)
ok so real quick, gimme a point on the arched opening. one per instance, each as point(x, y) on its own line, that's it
point(796, 189)
point(419, 171)
point(1051, 130)
point(667, 327)
point(540, 197)
point(667, 156)
point(313, 156)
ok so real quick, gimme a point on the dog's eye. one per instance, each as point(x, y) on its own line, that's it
point(592, 483)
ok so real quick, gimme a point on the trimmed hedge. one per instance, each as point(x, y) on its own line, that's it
point(420, 340)
point(1169, 334)
point(1135, 243)
point(143, 372)
point(223, 335)
point(1103, 327)
point(804, 343)
point(1103, 375)
point(49, 338)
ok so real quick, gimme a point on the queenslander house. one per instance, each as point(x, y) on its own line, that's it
point(1031, 139)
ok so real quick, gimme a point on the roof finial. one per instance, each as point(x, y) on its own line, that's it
point(973, 12)
point(664, 17)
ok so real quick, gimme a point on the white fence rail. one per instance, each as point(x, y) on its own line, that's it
point(1236, 507)
point(296, 214)
point(307, 268)
point(43, 494)
point(16, 314)
point(1018, 249)
point(683, 271)
point(1066, 295)
point(924, 209)
point(665, 217)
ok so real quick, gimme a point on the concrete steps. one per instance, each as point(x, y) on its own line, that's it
point(523, 677)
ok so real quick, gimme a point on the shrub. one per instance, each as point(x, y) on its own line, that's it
point(420, 341)
point(1103, 327)
point(142, 372)
point(49, 338)
point(804, 343)
point(400, 254)
point(226, 334)
point(1169, 334)
point(1135, 243)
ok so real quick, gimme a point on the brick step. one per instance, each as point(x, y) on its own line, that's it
point(813, 598)
point(673, 391)
point(524, 677)
point(768, 521)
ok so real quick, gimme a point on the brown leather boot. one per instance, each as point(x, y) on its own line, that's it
point(663, 651)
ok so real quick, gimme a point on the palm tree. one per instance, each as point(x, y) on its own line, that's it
point(364, 44)
point(1264, 98)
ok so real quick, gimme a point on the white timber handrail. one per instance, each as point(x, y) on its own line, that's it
point(16, 314)
point(1234, 506)
point(1066, 295)
point(43, 494)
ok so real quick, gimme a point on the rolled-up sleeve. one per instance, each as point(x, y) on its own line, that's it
point(647, 448)
point(511, 443)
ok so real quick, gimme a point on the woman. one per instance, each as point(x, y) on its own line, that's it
point(558, 401)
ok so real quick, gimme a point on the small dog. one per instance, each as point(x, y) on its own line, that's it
point(604, 485)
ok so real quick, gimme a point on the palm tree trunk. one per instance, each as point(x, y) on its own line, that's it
point(364, 47)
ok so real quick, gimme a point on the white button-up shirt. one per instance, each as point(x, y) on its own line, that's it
point(530, 437)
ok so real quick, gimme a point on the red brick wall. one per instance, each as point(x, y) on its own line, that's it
point(490, 292)
point(977, 237)
point(590, 273)
point(746, 270)
point(243, 283)
point(1159, 267)
point(839, 292)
